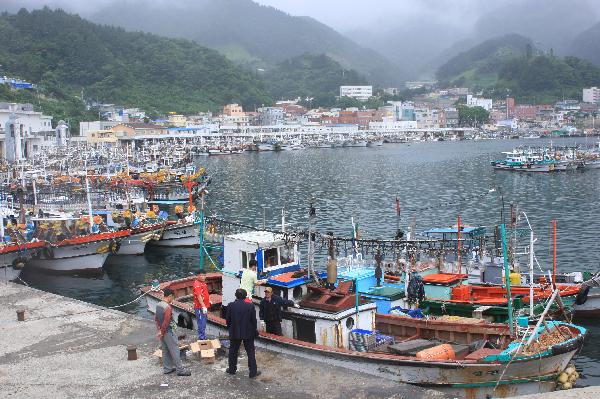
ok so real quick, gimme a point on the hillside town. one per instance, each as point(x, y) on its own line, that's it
point(438, 114)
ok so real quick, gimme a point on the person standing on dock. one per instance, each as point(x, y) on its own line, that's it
point(166, 334)
point(201, 304)
point(241, 323)
point(270, 311)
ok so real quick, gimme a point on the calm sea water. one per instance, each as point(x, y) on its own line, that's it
point(435, 182)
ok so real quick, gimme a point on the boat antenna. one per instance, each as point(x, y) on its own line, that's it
point(89, 200)
point(312, 214)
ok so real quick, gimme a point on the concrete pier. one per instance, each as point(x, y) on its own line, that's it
point(69, 348)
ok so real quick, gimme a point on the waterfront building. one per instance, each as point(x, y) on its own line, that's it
point(94, 130)
point(269, 116)
point(177, 120)
point(125, 132)
point(427, 118)
point(449, 118)
point(24, 130)
point(485, 103)
point(591, 95)
point(361, 93)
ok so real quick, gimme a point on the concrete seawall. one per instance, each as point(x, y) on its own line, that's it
point(69, 348)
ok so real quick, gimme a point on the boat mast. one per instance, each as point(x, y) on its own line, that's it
point(507, 278)
point(554, 254)
point(459, 246)
point(89, 199)
point(202, 249)
point(311, 239)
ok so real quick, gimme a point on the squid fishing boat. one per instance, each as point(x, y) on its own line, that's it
point(335, 325)
point(14, 256)
point(79, 253)
point(182, 232)
point(135, 242)
point(139, 230)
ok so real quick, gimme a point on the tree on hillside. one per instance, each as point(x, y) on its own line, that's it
point(472, 116)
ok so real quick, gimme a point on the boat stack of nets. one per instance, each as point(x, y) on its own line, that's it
point(567, 379)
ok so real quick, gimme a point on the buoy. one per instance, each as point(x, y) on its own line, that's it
point(567, 385)
point(570, 370)
point(439, 352)
point(563, 377)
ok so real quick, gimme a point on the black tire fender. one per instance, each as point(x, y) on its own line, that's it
point(582, 296)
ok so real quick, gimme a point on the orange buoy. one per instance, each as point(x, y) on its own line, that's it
point(439, 352)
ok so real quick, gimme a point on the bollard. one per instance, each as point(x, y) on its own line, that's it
point(20, 315)
point(132, 352)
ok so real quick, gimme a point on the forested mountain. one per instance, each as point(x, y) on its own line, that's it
point(251, 34)
point(511, 66)
point(545, 78)
point(310, 76)
point(587, 45)
point(64, 54)
point(481, 64)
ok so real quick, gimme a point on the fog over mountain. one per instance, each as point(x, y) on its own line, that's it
point(415, 35)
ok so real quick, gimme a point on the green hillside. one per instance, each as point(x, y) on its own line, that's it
point(65, 54)
point(547, 78)
point(254, 35)
point(479, 66)
point(314, 76)
point(587, 45)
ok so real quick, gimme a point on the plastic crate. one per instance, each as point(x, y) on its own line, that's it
point(362, 340)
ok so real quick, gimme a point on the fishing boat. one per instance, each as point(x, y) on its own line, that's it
point(357, 143)
point(135, 242)
point(334, 325)
point(83, 253)
point(268, 145)
point(14, 256)
point(182, 229)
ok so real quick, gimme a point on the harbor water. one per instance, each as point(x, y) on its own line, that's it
point(434, 181)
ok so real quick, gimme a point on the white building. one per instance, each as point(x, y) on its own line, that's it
point(485, 103)
point(393, 126)
point(362, 93)
point(591, 95)
point(21, 126)
point(86, 129)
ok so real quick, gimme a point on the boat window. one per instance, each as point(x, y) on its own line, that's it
point(247, 257)
point(286, 254)
point(271, 258)
point(349, 323)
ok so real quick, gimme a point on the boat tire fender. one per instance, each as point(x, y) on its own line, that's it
point(582, 296)
point(19, 262)
point(48, 252)
point(115, 246)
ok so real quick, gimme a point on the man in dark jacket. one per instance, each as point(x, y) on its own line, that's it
point(271, 311)
point(241, 323)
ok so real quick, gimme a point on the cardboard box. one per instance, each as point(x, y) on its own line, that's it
point(205, 348)
point(207, 355)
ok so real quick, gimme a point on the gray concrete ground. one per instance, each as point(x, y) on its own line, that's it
point(576, 393)
point(71, 349)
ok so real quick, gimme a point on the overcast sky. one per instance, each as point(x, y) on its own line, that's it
point(342, 15)
point(347, 14)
